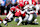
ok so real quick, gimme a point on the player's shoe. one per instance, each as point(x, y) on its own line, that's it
point(6, 24)
point(34, 23)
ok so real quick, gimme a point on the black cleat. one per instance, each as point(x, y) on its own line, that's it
point(34, 23)
point(5, 24)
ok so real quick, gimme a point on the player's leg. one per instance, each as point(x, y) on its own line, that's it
point(25, 20)
point(26, 17)
point(20, 20)
point(30, 18)
point(8, 18)
point(35, 20)
point(5, 22)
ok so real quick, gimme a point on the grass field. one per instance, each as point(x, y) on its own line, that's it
point(13, 24)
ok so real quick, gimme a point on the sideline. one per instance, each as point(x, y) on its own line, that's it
point(2, 15)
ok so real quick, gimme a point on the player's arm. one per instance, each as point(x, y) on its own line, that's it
point(20, 20)
point(26, 7)
point(31, 12)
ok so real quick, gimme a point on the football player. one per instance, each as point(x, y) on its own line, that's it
point(31, 13)
point(14, 11)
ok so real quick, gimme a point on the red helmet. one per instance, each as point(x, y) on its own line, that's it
point(12, 9)
point(21, 5)
point(34, 3)
point(26, 2)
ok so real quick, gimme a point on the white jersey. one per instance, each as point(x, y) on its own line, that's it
point(37, 8)
point(10, 15)
point(31, 13)
point(28, 6)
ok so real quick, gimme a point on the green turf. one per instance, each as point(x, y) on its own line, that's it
point(13, 24)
